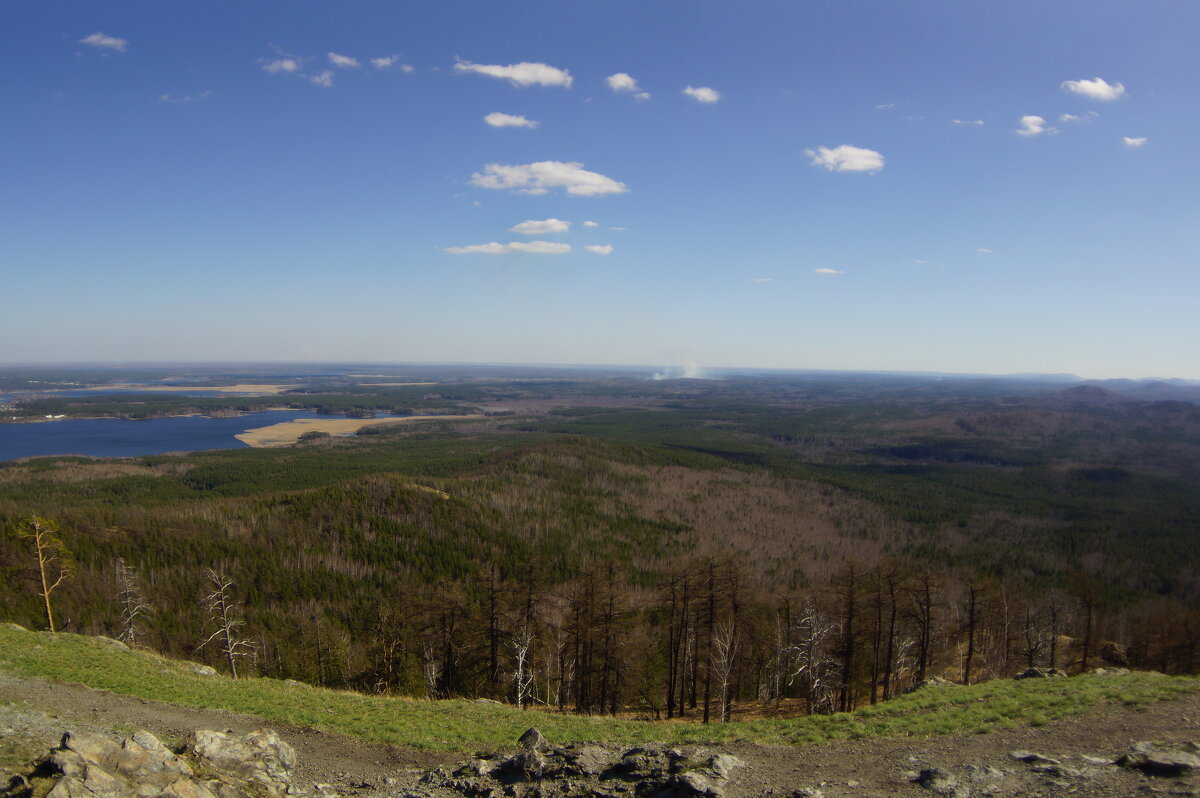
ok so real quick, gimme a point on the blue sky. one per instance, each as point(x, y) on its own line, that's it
point(940, 186)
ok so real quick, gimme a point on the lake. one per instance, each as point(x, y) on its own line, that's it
point(114, 437)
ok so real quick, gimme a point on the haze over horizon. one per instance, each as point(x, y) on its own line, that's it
point(1002, 189)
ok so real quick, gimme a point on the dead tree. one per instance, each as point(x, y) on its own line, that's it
point(54, 561)
point(134, 606)
point(225, 617)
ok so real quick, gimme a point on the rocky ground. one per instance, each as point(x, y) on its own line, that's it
point(1074, 757)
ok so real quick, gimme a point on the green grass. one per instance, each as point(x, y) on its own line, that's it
point(460, 725)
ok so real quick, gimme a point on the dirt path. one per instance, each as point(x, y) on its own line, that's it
point(34, 713)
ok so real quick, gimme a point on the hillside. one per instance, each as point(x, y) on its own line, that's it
point(370, 746)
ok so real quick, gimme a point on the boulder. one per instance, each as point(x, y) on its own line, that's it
point(1162, 760)
point(88, 765)
point(259, 757)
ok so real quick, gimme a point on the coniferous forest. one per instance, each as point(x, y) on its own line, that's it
point(607, 543)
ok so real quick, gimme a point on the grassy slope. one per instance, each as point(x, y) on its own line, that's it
point(465, 725)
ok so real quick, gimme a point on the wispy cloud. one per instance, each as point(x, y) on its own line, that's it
point(390, 61)
point(540, 177)
point(702, 94)
point(985, 250)
point(523, 74)
point(1033, 125)
point(102, 41)
point(497, 119)
point(1134, 143)
point(828, 271)
point(760, 279)
point(495, 248)
point(600, 249)
point(284, 65)
point(846, 158)
point(1082, 119)
point(187, 98)
point(624, 83)
point(1095, 89)
point(884, 106)
point(976, 122)
point(537, 227)
point(323, 78)
point(590, 223)
point(343, 61)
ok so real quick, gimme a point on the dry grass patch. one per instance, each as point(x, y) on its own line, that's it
point(289, 432)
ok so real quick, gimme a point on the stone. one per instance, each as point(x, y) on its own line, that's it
point(197, 669)
point(941, 782)
point(694, 783)
point(724, 764)
point(1160, 760)
point(531, 739)
point(1031, 758)
point(260, 756)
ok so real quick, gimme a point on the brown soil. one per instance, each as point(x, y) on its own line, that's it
point(34, 713)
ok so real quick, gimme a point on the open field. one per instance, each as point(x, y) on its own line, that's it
point(247, 389)
point(289, 432)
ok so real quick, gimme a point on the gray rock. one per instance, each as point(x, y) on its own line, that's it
point(724, 764)
point(200, 670)
point(259, 757)
point(531, 739)
point(694, 783)
point(1031, 758)
point(941, 782)
point(1161, 760)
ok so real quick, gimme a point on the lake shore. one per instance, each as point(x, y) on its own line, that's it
point(289, 432)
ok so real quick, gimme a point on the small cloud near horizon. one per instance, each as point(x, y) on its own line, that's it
point(600, 249)
point(1134, 143)
point(825, 270)
point(985, 250)
point(1095, 89)
point(187, 98)
point(846, 158)
point(1034, 125)
point(542, 176)
point(760, 279)
point(102, 41)
point(703, 94)
point(534, 227)
point(496, 248)
point(343, 61)
point(523, 74)
point(497, 119)
point(975, 122)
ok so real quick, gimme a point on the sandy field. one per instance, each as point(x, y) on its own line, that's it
point(261, 390)
point(288, 432)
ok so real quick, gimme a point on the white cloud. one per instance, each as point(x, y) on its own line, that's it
point(522, 74)
point(284, 66)
point(846, 158)
point(497, 119)
point(642, 96)
point(495, 248)
point(760, 279)
point(600, 249)
point(323, 78)
point(985, 250)
point(104, 42)
point(1085, 119)
point(187, 98)
point(343, 61)
point(884, 106)
point(1033, 125)
point(384, 63)
point(619, 229)
point(622, 82)
point(1096, 89)
point(590, 223)
point(535, 227)
point(540, 177)
point(1134, 143)
point(702, 94)
point(827, 271)
point(978, 122)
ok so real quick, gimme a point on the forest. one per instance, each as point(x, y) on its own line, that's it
point(606, 543)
